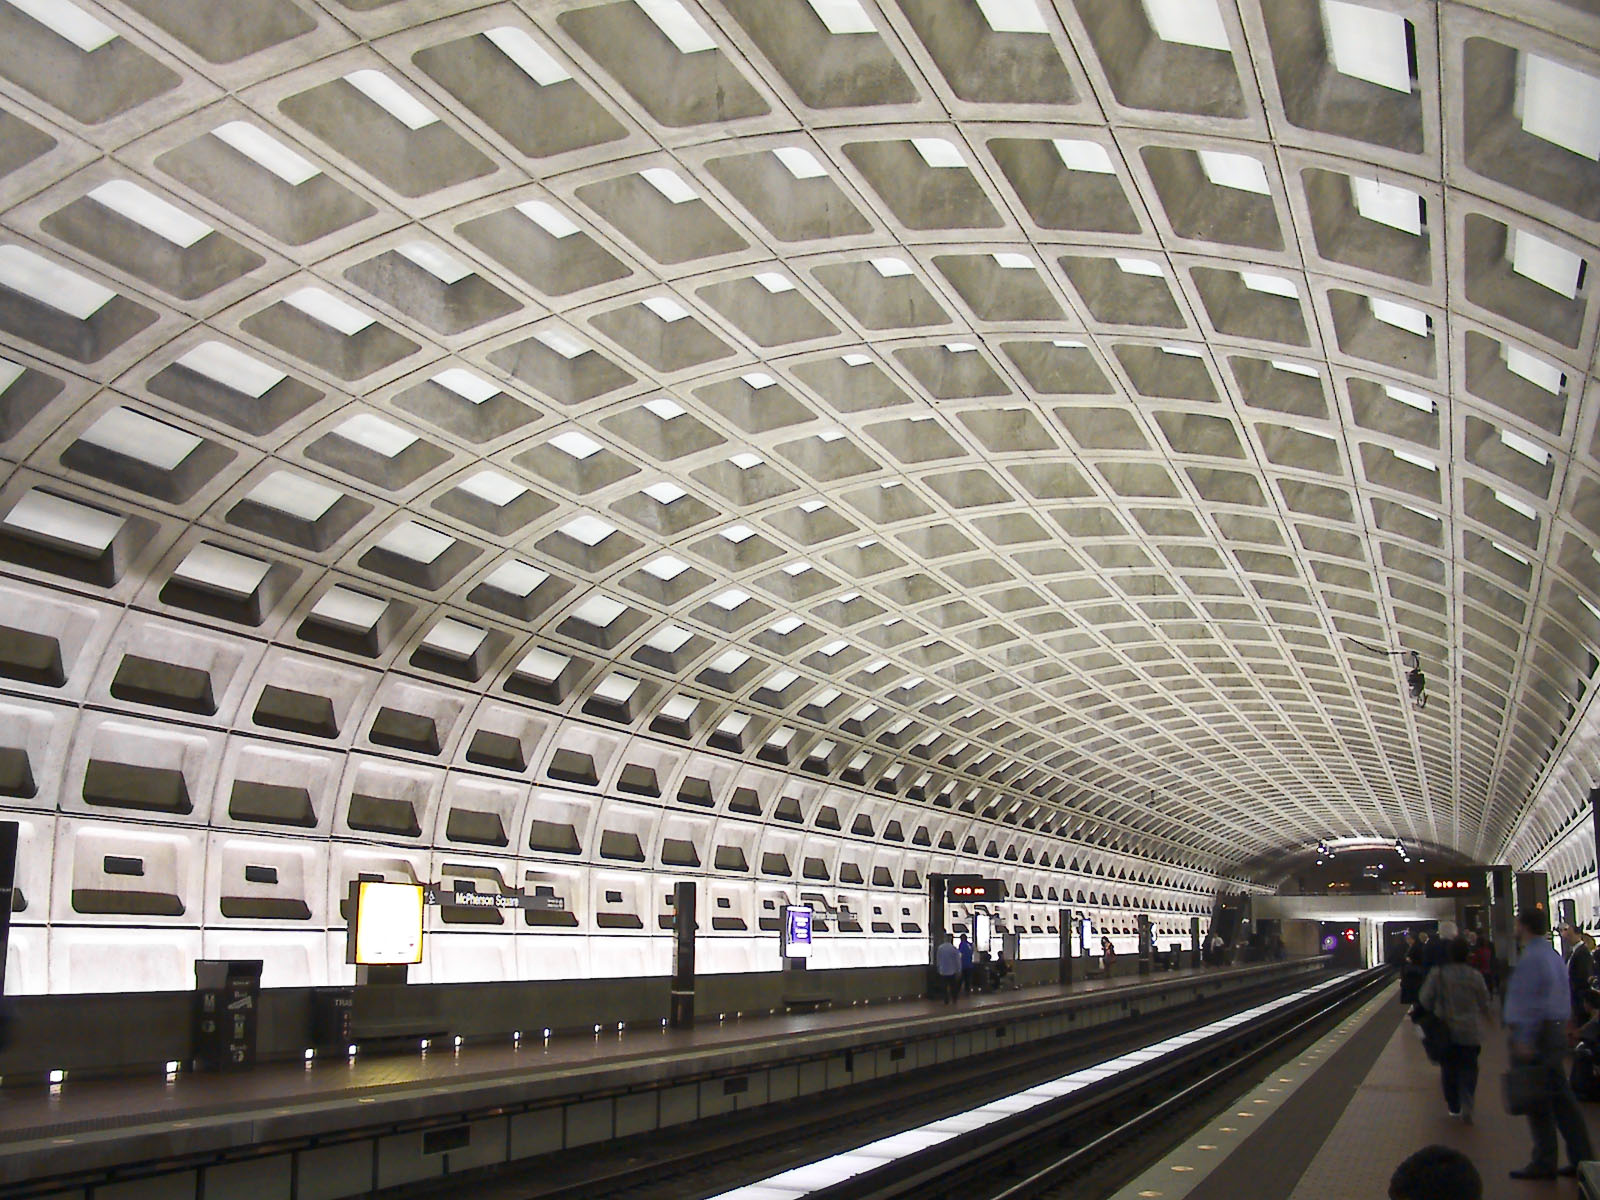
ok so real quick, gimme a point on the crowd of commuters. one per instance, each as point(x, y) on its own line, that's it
point(1550, 1010)
point(963, 968)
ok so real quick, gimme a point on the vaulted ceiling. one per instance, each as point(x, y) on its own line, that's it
point(1056, 411)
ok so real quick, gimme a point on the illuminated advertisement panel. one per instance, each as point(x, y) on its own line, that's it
point(386, 928)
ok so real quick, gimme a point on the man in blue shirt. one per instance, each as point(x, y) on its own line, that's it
point(967, 952)
point(1538, 1007)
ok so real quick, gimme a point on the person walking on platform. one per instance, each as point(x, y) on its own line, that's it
point(1457, 995)
point(1412, 971)
point(1538, 1007)
point(967, 958)
point(947, 962)
point(1580, 962)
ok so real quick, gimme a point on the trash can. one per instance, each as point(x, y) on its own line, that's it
point(226, 1003)
point(332, 1010)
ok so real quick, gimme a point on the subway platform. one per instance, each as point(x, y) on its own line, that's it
point(346, 1126)
point(1334, 1121)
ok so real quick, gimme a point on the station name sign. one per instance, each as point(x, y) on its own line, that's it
point(973, 888)
point(433, 894)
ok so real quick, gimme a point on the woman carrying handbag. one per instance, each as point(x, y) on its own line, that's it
point(1456, 994)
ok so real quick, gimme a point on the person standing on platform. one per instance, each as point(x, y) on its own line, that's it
point(1580, 962)
point(947, 962)
point(1439, 946)
point(967, 956)
point(1538, 1007)
point(1457, 995)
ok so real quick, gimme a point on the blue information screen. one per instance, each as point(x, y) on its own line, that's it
point(797, 932)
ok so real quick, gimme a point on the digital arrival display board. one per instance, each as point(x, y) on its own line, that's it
point(1466, 884)
point(974, 889)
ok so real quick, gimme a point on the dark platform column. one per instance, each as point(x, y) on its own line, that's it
point(683, 927)
point(1532, 891)
point(1594, 815)
point(1146, 949)
point(8, 881)
point(1064, 946)
point(936, 918)
point(1503, 916)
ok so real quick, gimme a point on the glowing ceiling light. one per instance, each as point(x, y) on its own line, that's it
point(676, 22)
point(669, 183)
point(800, 163)
point(151, 211)
point(50, 284)
point(548, 218)
point(843, 17)
point(266, 151)
point(436, 261)
point(392, 98)
point(1188, 22)
point(532, 59)
point(938, 152)
point(1387, 204)
point(1013, 16)
point(1240, 172)
point(1368, 43)
point(327, 309)
point(68, 21)
point(1545, 263)
point(1560, 105)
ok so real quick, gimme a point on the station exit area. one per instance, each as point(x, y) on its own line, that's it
point(1370, 930)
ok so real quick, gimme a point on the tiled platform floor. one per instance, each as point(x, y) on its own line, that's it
point(1399, 1108)
point(1333, 1121)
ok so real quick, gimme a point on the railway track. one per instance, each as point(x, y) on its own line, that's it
point(1090, 1135)
point(738, 1148)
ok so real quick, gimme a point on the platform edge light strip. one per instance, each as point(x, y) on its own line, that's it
point(849, 1164)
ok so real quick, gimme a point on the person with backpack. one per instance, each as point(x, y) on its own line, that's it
point(1456, 995)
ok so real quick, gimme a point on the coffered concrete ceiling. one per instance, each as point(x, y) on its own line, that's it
point(1039, 411)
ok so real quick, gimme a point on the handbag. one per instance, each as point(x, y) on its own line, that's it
point(1435, 1036)
point(1526, 1087)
